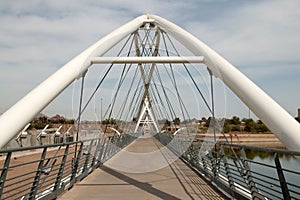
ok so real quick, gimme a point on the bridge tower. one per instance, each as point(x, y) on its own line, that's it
point(145, 114)
point(146, 118)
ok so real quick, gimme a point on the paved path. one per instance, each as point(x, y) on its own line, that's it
point(173, 181)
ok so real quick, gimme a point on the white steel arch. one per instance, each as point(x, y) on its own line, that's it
point(275, 117)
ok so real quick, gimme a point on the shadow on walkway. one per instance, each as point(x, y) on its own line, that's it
point(142, 185)
point(174, 181)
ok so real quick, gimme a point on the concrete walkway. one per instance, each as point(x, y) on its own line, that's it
point(173, 181)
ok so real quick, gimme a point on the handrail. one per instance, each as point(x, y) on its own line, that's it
point(228, 167)
point(46, 174)
point(40, 146)
point(272, 150)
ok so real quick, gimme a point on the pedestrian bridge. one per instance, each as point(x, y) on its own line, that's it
point(158, 78)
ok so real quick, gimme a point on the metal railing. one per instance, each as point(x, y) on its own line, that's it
point(227, 166)
point(44, 172)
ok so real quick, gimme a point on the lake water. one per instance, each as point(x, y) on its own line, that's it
point(288, 163)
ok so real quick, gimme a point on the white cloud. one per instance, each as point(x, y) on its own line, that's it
point(266, 31)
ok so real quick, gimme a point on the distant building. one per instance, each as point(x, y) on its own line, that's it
point(242, 126)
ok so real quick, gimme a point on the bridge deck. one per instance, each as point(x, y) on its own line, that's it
point(174, 181)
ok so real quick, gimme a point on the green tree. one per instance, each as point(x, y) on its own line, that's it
point(261, 127)
point(208, 121)
point(235, 120)
point(167, 123)
point(109, 121)
point(227, 128)
point(250, 125)
point(70, 121)
point(39, 123)
point(176, 121)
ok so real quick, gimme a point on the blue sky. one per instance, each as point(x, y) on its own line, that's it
point(261, 38)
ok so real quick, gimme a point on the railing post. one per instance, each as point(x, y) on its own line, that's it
point(214, 164)
point(97, 153)
point(119, 143)
point(106, 147)
point(111, 147)
point(87, 156)
point(37, 177)
point(186, 151)
point(181, 143)
point(128, 140)
point(102, 152)
point(227, 169)
point(283, 185)
point(115, 147)
point(194, 156)
point(174, 146)
point(247, 174)
point(4, 172)
point(61, 169)
point(178, 148)
point(123, 141)
point(75, 165)
point(201, 158)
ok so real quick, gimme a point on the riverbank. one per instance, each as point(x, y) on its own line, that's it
point(268, 140)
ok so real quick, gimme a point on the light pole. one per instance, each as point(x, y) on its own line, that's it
point(249, 113)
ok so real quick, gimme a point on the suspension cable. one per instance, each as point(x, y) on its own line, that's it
point(101, 81)
point(122, 77)
point(161, 101)
point(194, 82)
point(182, 106)
point(171, 109)
point(120, 114)
point(158, 111)
point(137, 92)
